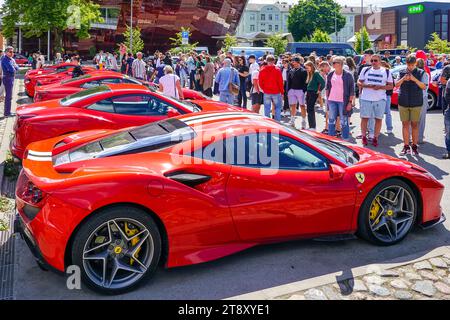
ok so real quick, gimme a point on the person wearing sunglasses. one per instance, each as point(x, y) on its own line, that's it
point(9, 68)
point(373, 83)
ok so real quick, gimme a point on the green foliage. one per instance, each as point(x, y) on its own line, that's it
point(320, 36)
point(11, 169)
point(138, 43)
point(177, 42)
point(39, 16)
point(5, 207)
point(437, 44)
point(366, 40)
point(309, 15)
point(277, 42)
point(228, 42)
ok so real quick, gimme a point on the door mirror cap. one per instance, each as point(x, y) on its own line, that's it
point(173, 113)
point(336, 172)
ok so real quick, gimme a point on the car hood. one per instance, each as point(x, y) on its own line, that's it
point(37, 107)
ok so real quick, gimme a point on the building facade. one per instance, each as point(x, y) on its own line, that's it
point(351, 14)
point(267, 18)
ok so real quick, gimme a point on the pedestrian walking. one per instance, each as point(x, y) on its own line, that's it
point(387, 112)
point(296, 89)
point(447, 123)
point(271, 83)
point(315, 85)
point(170, 84)
point(256, 93)
point(424, 109)
point(138, 67)
point(208, 77)
point(228, 80)
point(243, 70)
point(340, 92)
point(9, 69)
point(410, 102)
point(373, 82)
point(130, 61)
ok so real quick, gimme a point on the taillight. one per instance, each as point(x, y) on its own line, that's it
point(33, 194)
point(21, 118)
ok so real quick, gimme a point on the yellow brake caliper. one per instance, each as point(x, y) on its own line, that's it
point(374, 210)
point(134, 241)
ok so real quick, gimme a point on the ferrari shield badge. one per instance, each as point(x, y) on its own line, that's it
point(360, 177)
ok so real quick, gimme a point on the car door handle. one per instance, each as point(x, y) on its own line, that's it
point(188, 179)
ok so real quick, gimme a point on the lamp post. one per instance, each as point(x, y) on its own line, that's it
point(131, 31)
point(335, 25)
point(362, 24)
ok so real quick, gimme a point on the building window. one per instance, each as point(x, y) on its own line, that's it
point(277, 17)
point(252, 17)
point(252, 27)
point(404, 29)
point(277, 27)
point(270, 28)
point(441, 24)
point(263, 17)
point(270, 17)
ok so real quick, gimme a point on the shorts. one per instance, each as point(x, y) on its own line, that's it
point(372, 109)
point(410, 113)
point(296, 96)
point(257, 98)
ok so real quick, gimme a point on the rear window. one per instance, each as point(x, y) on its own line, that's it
point(151, 137)
point(67, 101)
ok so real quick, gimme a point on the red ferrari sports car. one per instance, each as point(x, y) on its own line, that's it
point(94, 79)
point(199, 187)
point(21, 60)
point(49, 69)
point(112, 106)
point(48, 78)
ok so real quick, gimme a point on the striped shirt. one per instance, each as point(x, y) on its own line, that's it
point(138, 68)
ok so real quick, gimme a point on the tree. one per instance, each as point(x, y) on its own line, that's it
point(309, 15)
point(277, 42)
point(138, 43)
point(320, 36)
point(177, 42)
point(37, 17)
point(228, 42)
point(437, 44)
point(367, 44)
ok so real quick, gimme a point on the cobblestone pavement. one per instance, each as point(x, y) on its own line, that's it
point(427, 279)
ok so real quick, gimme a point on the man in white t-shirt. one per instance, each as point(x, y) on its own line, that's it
point(373, 83)
point(257, 94)
point(170, 84)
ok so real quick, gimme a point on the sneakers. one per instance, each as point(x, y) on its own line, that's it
point(389, 131)
point(406, 150)
point(415, 149)
point(364, 141)
point(303, 124)
point(292, 122)
point(375, 142)
point(446, 156)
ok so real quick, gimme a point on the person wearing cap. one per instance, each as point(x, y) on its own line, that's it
point(9, 68)
point(297, 86)
point(271, 83)
point(398, 62)
point(410, 101)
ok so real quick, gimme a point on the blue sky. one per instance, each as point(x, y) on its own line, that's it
point(380, 3)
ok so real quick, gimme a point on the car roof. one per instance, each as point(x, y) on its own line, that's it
point(127, 86)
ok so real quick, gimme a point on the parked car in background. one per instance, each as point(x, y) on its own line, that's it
point(321, 49)
point(258, 52)
point(21, 60)
point(109, 106)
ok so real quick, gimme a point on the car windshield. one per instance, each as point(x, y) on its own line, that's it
point(337, 150)
point(151, 137)
point(69, 100)
point(86, 76)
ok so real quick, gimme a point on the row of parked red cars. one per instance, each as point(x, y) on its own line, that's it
point(96, 100)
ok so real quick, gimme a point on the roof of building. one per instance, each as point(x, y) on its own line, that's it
point(282, 6)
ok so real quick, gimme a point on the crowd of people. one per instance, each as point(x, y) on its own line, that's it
point(291, 86)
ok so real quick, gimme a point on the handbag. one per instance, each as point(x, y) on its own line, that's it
point(234, 88)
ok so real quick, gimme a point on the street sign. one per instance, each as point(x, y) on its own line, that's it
point(416, 9)
point(185, 37)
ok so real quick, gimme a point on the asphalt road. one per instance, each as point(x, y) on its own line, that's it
point(272, 265)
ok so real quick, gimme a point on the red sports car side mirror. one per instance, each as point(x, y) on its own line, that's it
point(173, 113)
point(336, 172)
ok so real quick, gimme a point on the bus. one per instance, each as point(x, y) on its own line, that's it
point(321, 49)
point(258, 52)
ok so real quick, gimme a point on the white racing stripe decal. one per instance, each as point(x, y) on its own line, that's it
point(243, 117)
point(40, 159)
point(206, 115)
point(40, 154)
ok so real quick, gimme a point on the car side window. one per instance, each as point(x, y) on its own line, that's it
point(90, 84)
point(110, 80)
point(263, 150)
point(102, 106)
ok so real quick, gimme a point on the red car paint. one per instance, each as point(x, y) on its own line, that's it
point(46, 119)
point(71, 86)
point(236, 209)
point(47, 78)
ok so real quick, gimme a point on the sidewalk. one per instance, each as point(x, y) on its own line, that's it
point(8, 261)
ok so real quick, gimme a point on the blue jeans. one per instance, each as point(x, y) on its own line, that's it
point(447, 129)
point(336, 109)
point(8, 82)
point(226, 97)
point(277, 100)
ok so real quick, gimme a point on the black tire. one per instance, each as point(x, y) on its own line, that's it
point(431, 95)
point(99, 219)
point(364, 229)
